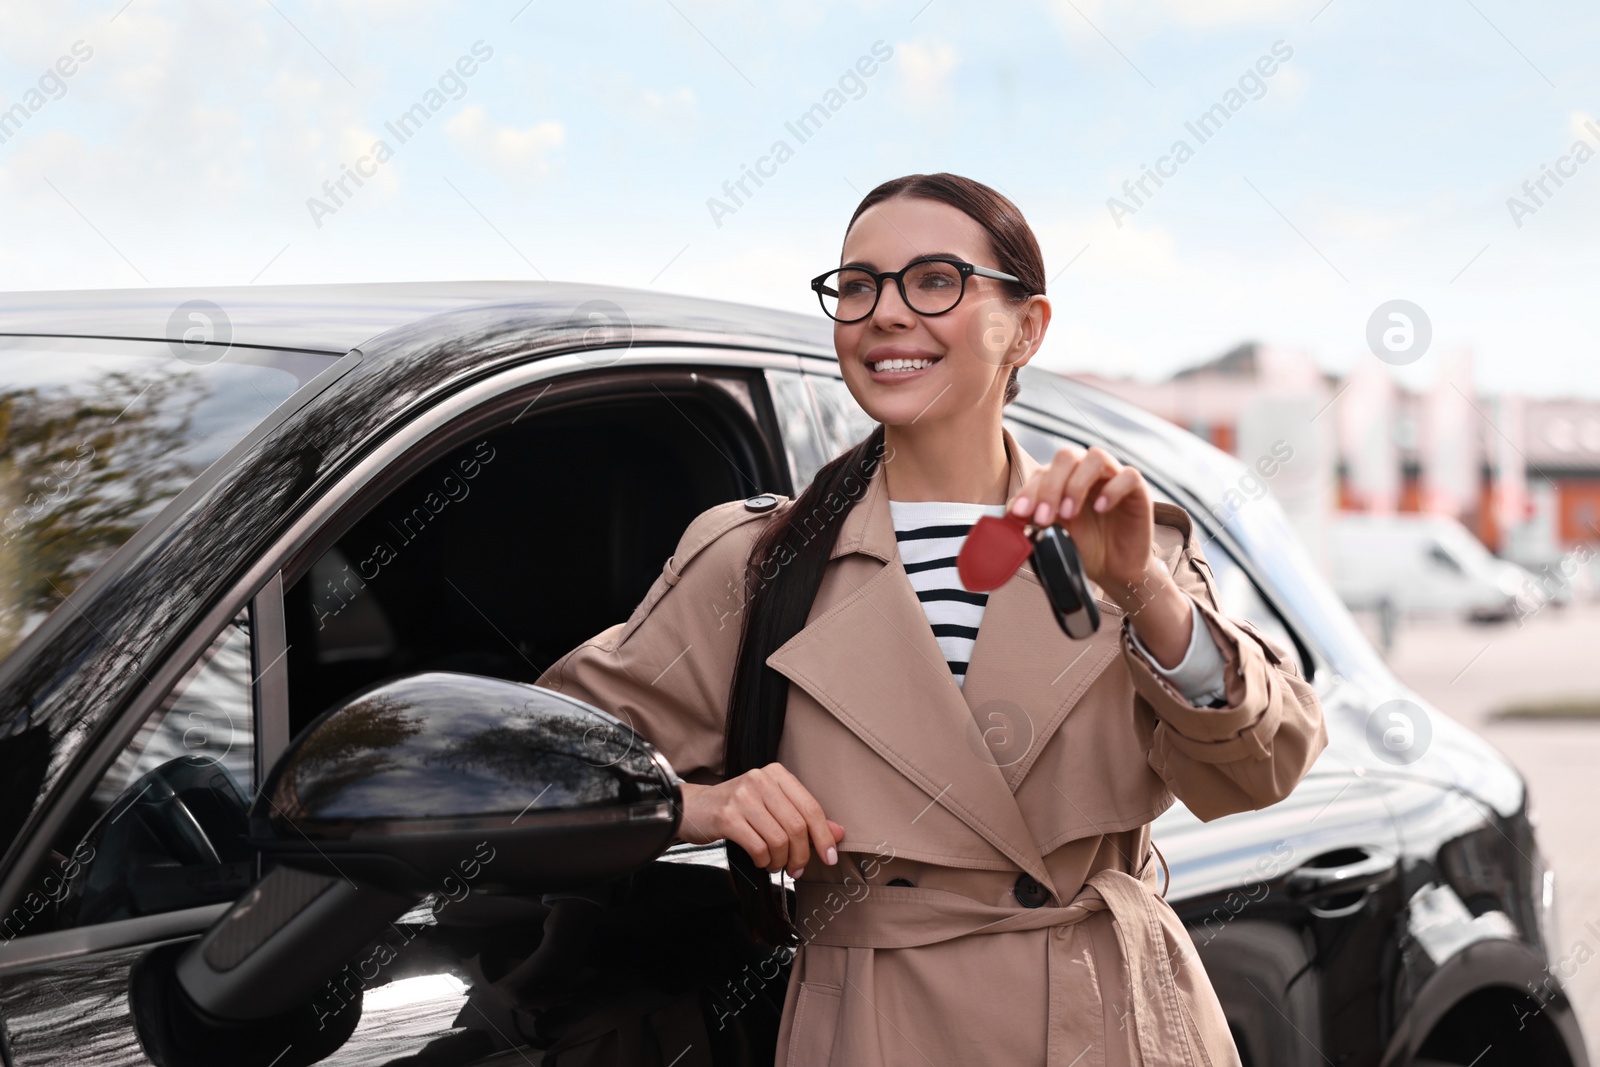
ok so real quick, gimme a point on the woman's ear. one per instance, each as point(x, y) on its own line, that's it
point(1033, 318)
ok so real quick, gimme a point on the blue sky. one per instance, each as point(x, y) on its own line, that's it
point(1375, 165)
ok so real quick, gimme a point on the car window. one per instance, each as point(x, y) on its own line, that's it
point(505, 553)
point(165, 826)
point(96, 437)
point(818, 417)
point(1238, 593)
point(799, 424)
point(1441, 556)
point(843, 421)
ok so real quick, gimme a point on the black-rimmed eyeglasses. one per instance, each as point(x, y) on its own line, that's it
point(929, 286)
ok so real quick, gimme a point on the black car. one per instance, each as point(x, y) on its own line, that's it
point(279, 565)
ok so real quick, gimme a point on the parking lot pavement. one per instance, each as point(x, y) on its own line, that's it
point(1469, 671)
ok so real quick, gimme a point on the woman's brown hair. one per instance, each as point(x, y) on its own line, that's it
point(787, 561)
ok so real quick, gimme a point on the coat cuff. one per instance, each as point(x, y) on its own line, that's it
point(1199, 674)
point(1241, 729)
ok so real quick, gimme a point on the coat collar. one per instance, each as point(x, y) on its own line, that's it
point(869, 528)
point(870, 658)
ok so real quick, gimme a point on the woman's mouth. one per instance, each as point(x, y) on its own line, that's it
point(892, 369)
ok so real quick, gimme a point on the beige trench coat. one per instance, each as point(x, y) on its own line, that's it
point(1049, 765)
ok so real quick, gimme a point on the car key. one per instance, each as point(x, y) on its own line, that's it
point(1056, 562)
point(996, 546)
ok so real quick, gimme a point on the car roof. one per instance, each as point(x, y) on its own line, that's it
point(331, 318)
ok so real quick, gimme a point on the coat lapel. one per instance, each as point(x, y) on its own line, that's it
point(871, 660)
point(1025, 675)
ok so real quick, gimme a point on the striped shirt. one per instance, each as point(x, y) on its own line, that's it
point(929, 535)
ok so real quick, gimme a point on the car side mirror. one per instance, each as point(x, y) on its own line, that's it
point(399, 792)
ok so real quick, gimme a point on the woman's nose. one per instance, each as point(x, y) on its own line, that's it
point(892, 309)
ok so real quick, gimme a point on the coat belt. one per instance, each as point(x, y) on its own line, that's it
point(899, 917)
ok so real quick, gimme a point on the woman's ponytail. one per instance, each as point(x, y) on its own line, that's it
point(782, 577)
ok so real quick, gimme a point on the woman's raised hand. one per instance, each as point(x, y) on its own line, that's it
point(766, 812)
point(1106, 508)
point(1104, 505)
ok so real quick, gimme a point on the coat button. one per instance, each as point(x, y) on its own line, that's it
point(764, 502)
point(1028, 891)
point(901, 881)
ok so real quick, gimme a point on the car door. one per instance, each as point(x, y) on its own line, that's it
point(487, 535)
point(513, 538)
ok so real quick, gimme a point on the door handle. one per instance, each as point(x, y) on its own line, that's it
point(1339, 873)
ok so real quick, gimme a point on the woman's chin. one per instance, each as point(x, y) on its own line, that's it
point(903, 410)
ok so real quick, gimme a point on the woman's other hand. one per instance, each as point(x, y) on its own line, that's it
point(766, 812)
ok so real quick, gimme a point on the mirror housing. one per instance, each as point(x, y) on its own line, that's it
point(417, 785)
point(397, 786)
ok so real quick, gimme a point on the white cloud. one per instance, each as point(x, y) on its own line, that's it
point(924, 68)
point(516, 153)
point(673, 111)
point(1287, 86)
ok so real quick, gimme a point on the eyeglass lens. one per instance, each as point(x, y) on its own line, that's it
point(930, 288)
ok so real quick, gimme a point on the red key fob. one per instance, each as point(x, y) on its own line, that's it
point(996, 546)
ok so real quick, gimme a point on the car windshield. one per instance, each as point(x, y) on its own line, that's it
point(96, 436)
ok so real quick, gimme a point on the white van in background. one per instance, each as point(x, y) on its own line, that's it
point(1415, 563)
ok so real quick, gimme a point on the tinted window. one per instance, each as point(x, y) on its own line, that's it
point(509, 551)
point(819, 419)
point(95, 437)
point(165, 826)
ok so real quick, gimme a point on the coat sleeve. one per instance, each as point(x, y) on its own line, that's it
point(667, 670)
point(1255, 749)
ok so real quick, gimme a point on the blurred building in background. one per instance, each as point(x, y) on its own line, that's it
point(1521, 473)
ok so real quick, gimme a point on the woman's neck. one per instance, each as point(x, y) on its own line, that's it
point(940, 461)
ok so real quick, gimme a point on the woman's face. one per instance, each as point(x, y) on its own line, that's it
point(969, 350)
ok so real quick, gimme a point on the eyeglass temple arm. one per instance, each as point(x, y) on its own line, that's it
point(987, 273)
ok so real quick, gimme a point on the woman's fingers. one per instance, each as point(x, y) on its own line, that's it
point(821, 834)
point(766, 812)
point(1095, 467)
point(1051, 481)
point(1075, 481)
point(772, 844)
point(1117, 489)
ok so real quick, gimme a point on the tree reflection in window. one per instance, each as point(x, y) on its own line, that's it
point(82, 467)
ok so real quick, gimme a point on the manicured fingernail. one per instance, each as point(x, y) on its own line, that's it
point(798, 873)
point(831, 856)
point(1069, 507)
point(1101, 503)
point(1019, 506)
point(1041, 514)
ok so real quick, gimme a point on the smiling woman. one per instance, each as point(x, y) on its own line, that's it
point(1020, 917)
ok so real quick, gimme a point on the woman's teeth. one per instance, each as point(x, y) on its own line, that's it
point(901, 364)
